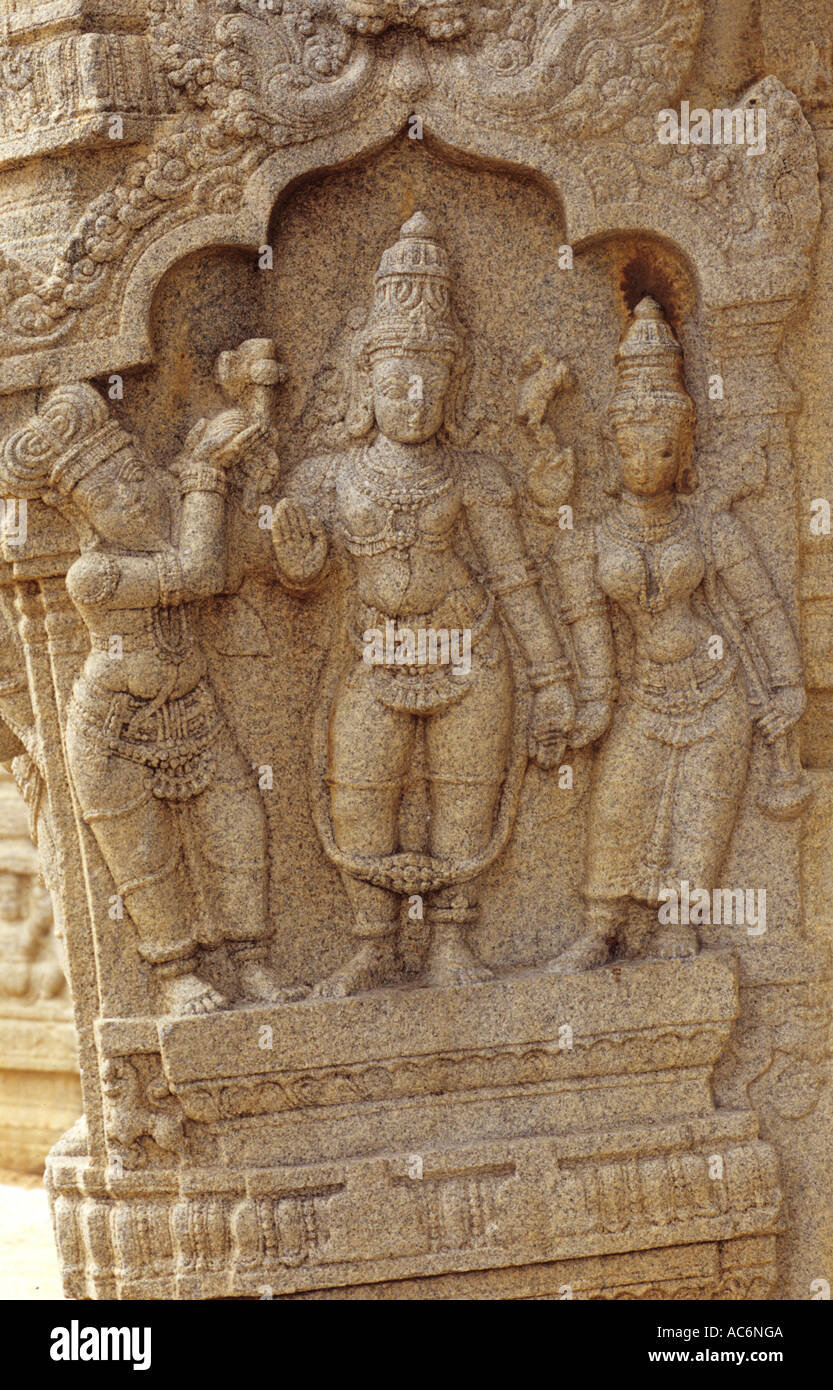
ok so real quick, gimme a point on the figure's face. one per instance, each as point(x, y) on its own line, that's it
point(650, 455)
point(125, 499)
point(409, 396)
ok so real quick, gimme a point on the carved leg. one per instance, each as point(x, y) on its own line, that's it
point(707, 797)
point(466, 747)
point(141, 841)
point(602, 920)
point(370, 750)
point(451, 960)
point(228, 832)
point(376, 920)
point(183, 990)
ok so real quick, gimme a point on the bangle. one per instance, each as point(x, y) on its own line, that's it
point(549, 673)
point(793, 682)
point(169, 573)
point(591, 608)
point(517, 575)
point(200, 477)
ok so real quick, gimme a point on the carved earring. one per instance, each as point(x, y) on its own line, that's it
point(359, 417)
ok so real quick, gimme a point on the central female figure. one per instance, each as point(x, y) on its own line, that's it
point(429, 540)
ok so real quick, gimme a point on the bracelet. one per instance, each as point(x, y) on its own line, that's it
point(758, 608)
point(200, 477)
point(169, 573)
point(517, 575)
point(549, 673)
point(593, 608)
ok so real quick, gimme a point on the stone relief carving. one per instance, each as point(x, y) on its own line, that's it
point(670, 779)
point(432, 500)
point(155, 767)
point(47, 84)
point(139, 1108)
point(266, 78)
point(394, 504)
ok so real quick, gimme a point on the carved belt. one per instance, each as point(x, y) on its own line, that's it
point(682, 687)
point(465, 609)
point(172, 739)
point(165, 632)
point(425, 687)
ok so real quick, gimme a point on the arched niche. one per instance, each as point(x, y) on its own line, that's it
point(505, 230)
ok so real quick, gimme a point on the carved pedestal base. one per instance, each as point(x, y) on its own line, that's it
point(424, 1144)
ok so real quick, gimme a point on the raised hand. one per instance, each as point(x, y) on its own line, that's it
point(300, 542)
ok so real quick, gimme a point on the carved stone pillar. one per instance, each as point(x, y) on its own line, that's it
point(416, 593)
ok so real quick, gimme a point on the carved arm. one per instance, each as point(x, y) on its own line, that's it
point(584, 611)
point(762, 612)
point(497, 539)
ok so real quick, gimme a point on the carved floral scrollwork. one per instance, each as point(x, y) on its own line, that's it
point(252, 79)
point(555, 66)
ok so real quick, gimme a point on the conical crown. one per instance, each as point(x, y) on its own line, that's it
point(649, 365)
point(412, 307)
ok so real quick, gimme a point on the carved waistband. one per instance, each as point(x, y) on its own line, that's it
point(172, 737)
point(468, 609)
point(684, 686)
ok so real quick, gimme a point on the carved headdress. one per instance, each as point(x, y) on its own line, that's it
point(71, 435)
point(413, 312)
point(649, 362)
point(412, 306)
point(650, 384)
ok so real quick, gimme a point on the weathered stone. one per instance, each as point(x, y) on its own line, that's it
point(418, 656)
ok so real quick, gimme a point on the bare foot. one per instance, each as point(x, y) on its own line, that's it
point(451, 962)
point(676, 943)
point(591, 949)
point(257, 981)
point(370, 967)
point(186, 995)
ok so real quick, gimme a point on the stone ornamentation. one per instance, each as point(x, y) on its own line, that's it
point(415, 605)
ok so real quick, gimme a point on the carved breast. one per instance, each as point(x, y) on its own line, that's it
point(376, 513)
point(628, 568)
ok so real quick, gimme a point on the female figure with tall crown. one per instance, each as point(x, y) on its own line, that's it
point(393, 509)
point(669, 779)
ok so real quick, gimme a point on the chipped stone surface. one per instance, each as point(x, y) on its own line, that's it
point(418, 655)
